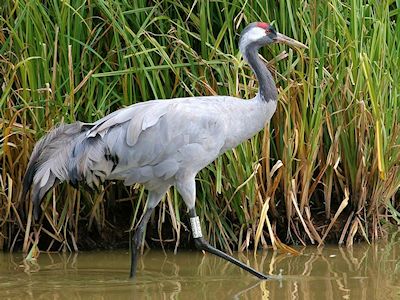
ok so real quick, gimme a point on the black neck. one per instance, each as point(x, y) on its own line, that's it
point(267, 89)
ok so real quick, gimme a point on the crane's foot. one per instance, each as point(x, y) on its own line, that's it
point(137, 241)
point(202, 244)
point(136, 245)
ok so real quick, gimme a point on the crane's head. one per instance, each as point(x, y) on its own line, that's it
point(258, 34)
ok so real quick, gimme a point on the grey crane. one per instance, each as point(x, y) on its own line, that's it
point(159, 143)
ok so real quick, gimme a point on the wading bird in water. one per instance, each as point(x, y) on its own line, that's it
point(160, 143)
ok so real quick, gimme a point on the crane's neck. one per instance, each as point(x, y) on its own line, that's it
point(267, 90)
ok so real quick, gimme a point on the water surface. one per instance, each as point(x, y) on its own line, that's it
point(362, 272)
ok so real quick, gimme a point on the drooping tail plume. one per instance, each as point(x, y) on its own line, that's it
point(52, 160)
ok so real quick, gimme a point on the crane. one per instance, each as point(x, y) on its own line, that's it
point(159, 143)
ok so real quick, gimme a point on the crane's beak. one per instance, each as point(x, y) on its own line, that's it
point(281, 38)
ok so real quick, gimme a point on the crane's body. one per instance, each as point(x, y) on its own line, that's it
point(159, 143)
point(181, 137)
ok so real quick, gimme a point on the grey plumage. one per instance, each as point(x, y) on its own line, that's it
point(158, 143)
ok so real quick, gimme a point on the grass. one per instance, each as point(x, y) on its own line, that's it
point(325, 170)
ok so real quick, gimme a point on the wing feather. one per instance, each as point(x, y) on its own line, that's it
point(140, 116)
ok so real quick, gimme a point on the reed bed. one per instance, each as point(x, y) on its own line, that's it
point(326, 169)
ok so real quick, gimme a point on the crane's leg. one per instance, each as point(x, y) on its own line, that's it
point(202, 244)
point(187, 189)
point(137, 240)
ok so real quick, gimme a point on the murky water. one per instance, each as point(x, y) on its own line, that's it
point(363, 272)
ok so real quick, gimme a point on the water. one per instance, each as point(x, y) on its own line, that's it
point(363, 272)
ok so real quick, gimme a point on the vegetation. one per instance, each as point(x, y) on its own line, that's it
point(325, 170)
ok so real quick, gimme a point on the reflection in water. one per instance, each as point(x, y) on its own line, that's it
point(361, 272)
